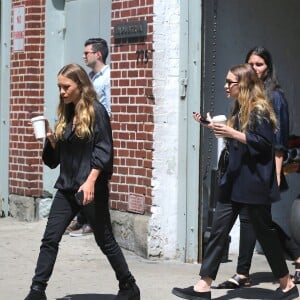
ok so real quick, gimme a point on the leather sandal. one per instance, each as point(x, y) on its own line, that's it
point(235, 282)
point(296, 276)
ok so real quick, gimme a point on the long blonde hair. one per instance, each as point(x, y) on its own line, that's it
point(84, 110)
point(251, 97)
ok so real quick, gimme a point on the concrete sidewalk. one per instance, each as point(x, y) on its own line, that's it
point(82, 271)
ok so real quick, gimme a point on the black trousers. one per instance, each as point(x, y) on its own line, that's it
point(261, 219)
point(81, 218)
point(248, 241)
point(63, 210)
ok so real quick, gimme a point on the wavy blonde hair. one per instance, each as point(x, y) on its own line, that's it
point(84, 109)
point(251, 98)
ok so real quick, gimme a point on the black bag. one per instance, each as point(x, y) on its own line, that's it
point(223, 161)
point(223, 188)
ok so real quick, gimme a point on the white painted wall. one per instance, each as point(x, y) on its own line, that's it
point(163, 224)
point(163, 227)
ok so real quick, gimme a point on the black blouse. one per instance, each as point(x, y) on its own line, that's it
point(77, 157)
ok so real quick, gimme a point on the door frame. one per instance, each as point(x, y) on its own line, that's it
point(5, 43)
point(190, 210)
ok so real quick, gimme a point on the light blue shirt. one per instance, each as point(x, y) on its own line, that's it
point(101, 82)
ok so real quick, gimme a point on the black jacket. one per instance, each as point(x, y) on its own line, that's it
point(77, 157)
point(251, 175)
point(281, 110)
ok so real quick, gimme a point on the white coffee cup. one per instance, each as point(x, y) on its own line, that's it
point(38, 124)
point(221, 143)
point(219, 119)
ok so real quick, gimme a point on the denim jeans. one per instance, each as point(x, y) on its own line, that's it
point(63, 210)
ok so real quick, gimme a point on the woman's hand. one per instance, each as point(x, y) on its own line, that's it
point(222, 130)
point(88, 186)
point(50, 134)
point(198, 118)
point(225, 131)
point(88, 192)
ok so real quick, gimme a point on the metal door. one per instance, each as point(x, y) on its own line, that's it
point(69, 24)
point(85, 19)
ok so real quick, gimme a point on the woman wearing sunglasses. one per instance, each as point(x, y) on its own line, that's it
point(261, 61)
point(249, 181)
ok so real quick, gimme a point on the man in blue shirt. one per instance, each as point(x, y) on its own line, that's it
point(94, 56)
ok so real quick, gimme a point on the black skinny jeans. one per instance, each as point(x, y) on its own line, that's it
point(248, 241)
point(63, 210)
point(261, 219)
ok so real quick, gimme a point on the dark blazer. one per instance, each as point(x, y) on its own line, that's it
point(281, 110)
point(251, 176)
point(77, 157)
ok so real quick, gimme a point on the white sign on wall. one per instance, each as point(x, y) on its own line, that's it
point(19, 29)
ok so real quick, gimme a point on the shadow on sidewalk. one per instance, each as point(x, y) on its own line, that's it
point(263, 277)
point(248, 293)
point(88, 297)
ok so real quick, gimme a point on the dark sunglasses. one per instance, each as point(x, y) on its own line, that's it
point(87, 52)
point(230, 82)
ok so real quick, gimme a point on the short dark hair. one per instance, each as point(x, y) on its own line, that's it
point(100, 45)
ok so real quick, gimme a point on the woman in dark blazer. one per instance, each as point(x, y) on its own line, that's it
point(249, 180)
point(261, 61)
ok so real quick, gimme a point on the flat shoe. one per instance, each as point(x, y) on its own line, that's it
point(189, 293)
point(235, 282)
point(36, 295)
point(289, 295)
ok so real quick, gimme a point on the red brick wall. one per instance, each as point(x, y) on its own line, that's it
point(27, 100)
point(132, 106)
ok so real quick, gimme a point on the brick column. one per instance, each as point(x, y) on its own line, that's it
point(26, 101)
point(132, 106)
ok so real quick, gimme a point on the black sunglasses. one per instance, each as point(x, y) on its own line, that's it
point(87, 52)
point(230, 82)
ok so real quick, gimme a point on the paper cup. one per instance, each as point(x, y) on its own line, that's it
point(219, 119)
point(221, 143)
point(38, 124)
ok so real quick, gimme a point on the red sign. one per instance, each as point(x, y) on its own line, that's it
point(136, 203)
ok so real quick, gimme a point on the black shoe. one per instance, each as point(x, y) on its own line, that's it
point(289, 295)
point(235, 282)
point(36, 295)
point(128, 290)
point(189, 293)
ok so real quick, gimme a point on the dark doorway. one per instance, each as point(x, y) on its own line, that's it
point(230, 29)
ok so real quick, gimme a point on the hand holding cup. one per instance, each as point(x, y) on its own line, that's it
point(218, 122)
point(39, 127)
